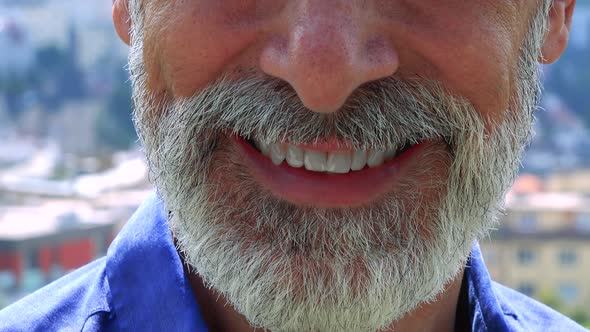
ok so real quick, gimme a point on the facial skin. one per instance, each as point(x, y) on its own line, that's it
point(456, 78)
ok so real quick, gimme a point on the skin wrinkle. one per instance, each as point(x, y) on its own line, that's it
point(288, 267)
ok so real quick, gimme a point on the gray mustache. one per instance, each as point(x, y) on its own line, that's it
point(389, 113)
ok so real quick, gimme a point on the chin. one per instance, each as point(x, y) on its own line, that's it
point(286, 266)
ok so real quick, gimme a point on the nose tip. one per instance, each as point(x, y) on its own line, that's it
point(326, 61)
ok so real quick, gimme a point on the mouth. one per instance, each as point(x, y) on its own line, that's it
point(330, 158)
point(328, 174)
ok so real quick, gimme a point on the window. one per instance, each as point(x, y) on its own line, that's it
point(32, 258)
point(7, 280)
point(568, 292)
point(527, 223)
point(567, 257)
point(583, 222)
point(67, 220)
point(525, 256)
point(527, 288)
point(33, 279)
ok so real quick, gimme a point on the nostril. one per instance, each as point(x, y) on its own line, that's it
point(274, 59)
point(380, 58)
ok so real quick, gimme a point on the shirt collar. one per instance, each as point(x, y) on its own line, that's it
point(485, 310)
point(149, 289)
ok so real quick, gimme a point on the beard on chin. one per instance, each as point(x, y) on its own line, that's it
point(290, 267)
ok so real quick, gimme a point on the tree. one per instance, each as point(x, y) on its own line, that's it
point(115, 125)
point(579, 314)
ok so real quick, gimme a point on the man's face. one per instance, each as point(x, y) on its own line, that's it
point(402, 124)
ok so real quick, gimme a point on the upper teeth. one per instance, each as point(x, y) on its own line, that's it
point(324, 161)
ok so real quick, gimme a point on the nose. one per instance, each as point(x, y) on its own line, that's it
point(326, 49)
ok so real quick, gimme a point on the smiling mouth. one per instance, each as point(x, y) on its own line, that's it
point(330, 174)
point(326, 158)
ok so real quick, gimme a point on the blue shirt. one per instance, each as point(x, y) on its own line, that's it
point(141, 286)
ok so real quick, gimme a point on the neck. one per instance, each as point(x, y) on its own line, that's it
point(438, 315)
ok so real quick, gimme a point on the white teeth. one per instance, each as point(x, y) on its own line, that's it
point(264, 148)
point(277, 153)
point(375, 158)
point(339, 162)
point(315, 161)
point(294, 156)
point(359, 160)
point(319, 161)
point(389, 154)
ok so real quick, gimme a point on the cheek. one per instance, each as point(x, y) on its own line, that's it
point(187, 47)
point(475, 56)
point(486, 73)
point(483, 72)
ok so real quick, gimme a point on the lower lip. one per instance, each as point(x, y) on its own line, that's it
point(307, 188)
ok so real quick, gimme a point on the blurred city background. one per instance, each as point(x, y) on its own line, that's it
point(71, 172)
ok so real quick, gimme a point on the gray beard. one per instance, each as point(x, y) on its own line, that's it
point(288, 267)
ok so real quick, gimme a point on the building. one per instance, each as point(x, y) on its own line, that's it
point(543, 247)
point(41, 243)
point(578, 181)
point(49, 227)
